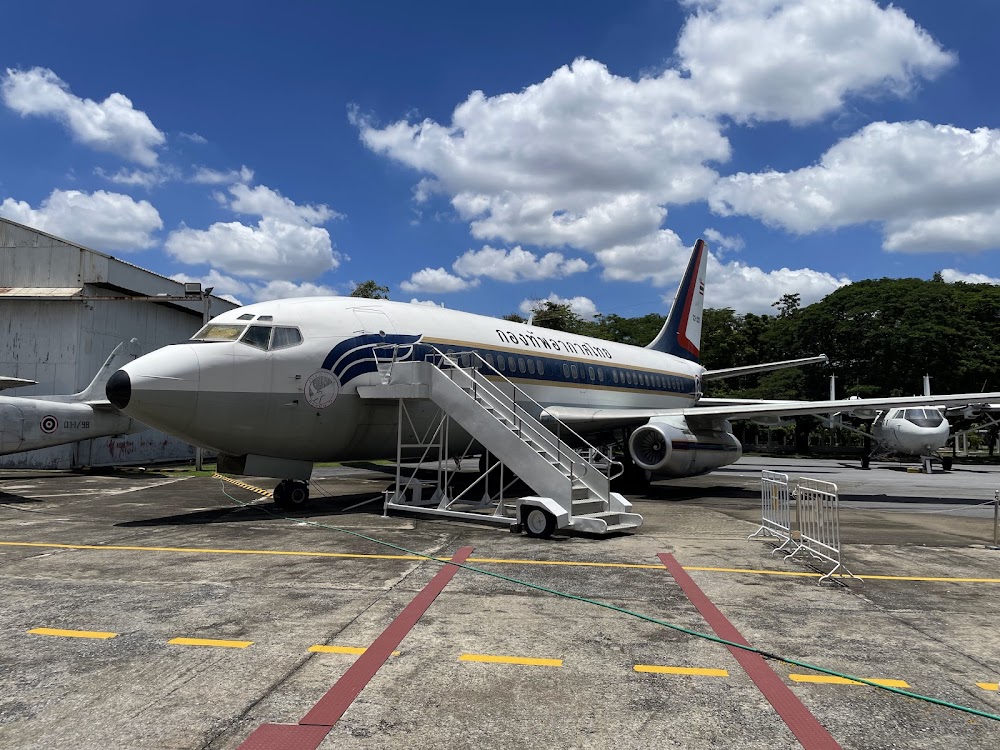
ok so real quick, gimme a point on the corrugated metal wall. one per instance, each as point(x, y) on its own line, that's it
point(62, 343)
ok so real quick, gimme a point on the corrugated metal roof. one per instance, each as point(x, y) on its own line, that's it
point(40, 291)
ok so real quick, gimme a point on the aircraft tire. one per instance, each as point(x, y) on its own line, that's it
point(946, 463)
point(280, 493)
point(538, 523)
point(298, 495)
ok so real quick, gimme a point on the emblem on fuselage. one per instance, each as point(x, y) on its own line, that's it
point(321, 389)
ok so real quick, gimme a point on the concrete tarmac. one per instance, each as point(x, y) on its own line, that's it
point(101, 575)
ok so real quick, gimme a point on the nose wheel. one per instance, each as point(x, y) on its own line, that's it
point(291, 494)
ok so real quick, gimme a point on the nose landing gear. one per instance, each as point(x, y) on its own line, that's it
point(291, 494)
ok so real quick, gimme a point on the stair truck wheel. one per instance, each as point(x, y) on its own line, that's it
point(538, 523)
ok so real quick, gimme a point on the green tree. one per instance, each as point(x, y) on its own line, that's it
point(556, 316)
point(370, 290)
point(515, 318)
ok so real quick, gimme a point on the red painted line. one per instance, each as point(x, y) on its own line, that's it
point(806, 727)
point(340, 697)
point(285, 737)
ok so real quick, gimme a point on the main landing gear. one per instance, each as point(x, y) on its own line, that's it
point(291, 494)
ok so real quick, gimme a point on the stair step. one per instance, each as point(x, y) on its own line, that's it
point(589, 508)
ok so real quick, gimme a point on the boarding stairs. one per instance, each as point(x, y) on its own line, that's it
point(572, 482)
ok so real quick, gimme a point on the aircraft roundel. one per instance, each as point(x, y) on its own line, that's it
point(49, 424)
point(321, 389)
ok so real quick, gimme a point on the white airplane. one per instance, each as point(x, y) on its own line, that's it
point(273, 386)
point(30, 422)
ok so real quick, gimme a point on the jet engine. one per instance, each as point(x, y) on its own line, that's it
point(673, 447)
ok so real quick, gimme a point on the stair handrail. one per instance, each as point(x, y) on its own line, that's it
point(561, 425)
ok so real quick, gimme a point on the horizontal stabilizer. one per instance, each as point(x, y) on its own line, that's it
point(732, 372)
point(15, 383)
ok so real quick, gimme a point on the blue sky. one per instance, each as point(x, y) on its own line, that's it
point(482, 156)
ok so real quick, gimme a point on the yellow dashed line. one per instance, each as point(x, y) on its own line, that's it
point(699, 671)
point(487, 560)
point(827, 679)
point(73, 633)
point(988, 685)
point(341, 650)
point(524, 660)
point(208, 642)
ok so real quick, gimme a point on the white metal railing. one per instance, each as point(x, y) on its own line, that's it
point(522, 419)
point(775, 509)
point(817, 513)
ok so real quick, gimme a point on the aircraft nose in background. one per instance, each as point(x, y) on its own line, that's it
point(119, 389)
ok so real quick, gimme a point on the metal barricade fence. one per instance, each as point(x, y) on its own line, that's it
point(817, 513)
point(775, 509)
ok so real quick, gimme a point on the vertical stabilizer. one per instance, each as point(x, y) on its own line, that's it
point(681, 334)
point(122, 354)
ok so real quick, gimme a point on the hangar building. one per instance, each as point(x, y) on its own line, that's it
point(63, 309)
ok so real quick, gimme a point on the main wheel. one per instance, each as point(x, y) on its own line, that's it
point(280, 493)
point(946, 463)
point(538, 523)
point(298, 495)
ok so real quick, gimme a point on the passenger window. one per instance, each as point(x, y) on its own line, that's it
point(511, 364)
point(285, 337)
point(489, 360)
point(522, 368)
point(614, 375)
point(576, 372)
point(531, 367)
point(541, 367)
point(258, 336)
point(600, 374)
point(565, 370)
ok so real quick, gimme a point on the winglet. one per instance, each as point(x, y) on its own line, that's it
point(681, 333)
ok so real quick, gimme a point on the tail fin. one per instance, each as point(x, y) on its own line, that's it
point(95, 391)
point(681, 334)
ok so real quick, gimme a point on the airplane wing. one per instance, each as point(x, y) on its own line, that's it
point(595, 418)
point(15, 383)
point(732, 372)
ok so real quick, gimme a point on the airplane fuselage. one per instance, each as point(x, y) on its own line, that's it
point(291, 392)
point(912, 431)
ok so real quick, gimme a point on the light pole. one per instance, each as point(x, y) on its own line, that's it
point(206, 299)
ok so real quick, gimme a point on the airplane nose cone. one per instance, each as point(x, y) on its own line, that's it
point(119, 389)
point(159, 389)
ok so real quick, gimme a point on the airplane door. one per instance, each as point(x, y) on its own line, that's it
point(11, 428)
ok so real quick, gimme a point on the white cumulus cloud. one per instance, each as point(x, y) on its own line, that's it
point(208, 176)
point(428, 302)
point(590, 159)
point(951, 275)
point(750, 289)
point(797, 60)
point(273, 249)
point(237, 291)
point(516, 264)
point(933, 187)
point(436, 281)
point(113, 126)
point(263, 201)
point(100, 220)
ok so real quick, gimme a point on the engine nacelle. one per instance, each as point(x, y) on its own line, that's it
point(671, 447)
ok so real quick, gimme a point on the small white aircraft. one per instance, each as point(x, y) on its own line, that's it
point(30, 422)
point(274, 386)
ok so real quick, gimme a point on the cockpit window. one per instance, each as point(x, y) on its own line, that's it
point(219, 332)
point(923, 417)
point(245, 316)
point(284, 337)
point(258, 336)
